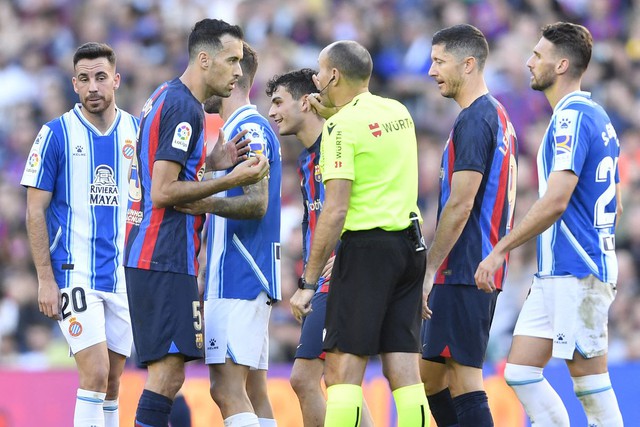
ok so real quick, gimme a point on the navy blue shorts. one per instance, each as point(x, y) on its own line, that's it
point(459, 326)
point(310, 346)
point(165, 314)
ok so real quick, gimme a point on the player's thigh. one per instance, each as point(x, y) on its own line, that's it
point(459, 326)
point(118, 323)
point(237, 329)
point(530, 351)
point(165, 314)
point(83, 318)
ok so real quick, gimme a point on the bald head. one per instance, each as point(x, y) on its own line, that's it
point(350, 58)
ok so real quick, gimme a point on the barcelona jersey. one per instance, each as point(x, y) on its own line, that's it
point(171, 129)
point(482, 140)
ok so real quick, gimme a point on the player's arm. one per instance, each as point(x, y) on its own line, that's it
point(454, 216)
point(250, 205)
point(542, 214)
point(167, 190)
point(48, 292)
point(325, 238)
point(619, 207)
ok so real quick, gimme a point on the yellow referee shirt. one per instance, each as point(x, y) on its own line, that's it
point(372, 142)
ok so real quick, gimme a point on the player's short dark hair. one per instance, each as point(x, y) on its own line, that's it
point(249, 65)
point(463, 40)
point(93, 50)
point(573, 41)
point(351, 59)
point(206, 35)
point(298, 83)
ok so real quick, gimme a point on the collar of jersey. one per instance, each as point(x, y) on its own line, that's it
point(88, 124)
point(565, 99)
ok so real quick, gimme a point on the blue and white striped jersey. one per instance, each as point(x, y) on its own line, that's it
point(580, 138)
point(87, 173)
point(243, 256)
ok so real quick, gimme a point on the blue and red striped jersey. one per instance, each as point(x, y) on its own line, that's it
point(483, 140)
point(171, 128)
point(313, 198)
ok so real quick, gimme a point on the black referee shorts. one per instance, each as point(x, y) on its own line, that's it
point(375, 298)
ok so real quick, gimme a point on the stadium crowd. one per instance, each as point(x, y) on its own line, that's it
point(38, 38)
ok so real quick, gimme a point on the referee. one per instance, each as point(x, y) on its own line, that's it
point(370, 170)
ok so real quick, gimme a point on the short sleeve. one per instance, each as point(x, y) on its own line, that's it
point(41, 168)
point(178, 132)
point(473, 142)
point(337, 150)
point(571, 135)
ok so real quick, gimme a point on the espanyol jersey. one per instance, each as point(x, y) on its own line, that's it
point(313, 198)
point(482, 140)
point(243, 256)
point(171, 128)
point(86, 172)
point(580, 138)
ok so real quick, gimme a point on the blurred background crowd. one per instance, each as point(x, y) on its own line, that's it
point(38, 39)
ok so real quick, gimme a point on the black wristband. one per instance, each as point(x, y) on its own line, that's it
point(303, 284)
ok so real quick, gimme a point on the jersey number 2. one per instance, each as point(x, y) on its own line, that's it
point(77, 300)
point(605, 173)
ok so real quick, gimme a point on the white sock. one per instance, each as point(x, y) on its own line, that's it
point(598, 400)
point(267, 422)
point(88, 411)
point(111, 413)
point(541, 402)
point(243, 419)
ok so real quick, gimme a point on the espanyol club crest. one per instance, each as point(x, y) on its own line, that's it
point(75, 327)
point(128, 150)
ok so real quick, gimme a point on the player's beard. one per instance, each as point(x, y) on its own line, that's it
point(212, 104)
point(543, 81)
point(452, 87)
point(96, 106)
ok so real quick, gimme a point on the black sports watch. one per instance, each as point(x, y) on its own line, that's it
point(303, 284)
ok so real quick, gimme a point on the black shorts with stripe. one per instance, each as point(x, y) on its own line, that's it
point(374, 304)
point(459, 326)
point(310, 346)
point(165, 314)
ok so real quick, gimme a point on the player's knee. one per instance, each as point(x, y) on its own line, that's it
point(516, 375)
point(95, 379)
point(301, 383)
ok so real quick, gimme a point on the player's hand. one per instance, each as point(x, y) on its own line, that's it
point(226, 154)
point(326, 271)
point(198, 207)
point(251, 170)
point(314, 102)
point(49, 299)
point(426, 290)
point(301, 303)
point(486, 272)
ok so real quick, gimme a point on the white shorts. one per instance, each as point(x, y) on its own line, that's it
point(90, 317)
point(238, 329)
point(570, 311)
